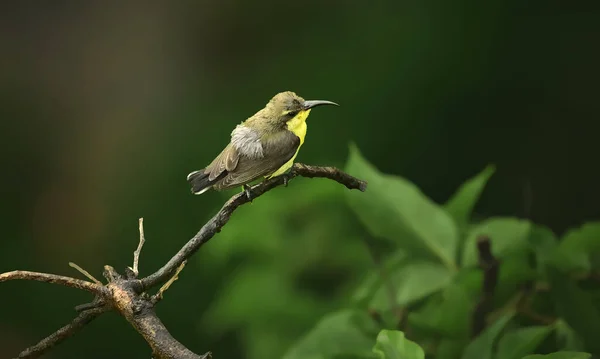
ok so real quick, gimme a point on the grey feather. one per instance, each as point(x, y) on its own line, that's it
point(247, 142)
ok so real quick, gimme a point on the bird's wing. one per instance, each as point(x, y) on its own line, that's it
point(277, 150)
point(244, 142)
point(227, 160)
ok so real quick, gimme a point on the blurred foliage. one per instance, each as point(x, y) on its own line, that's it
point(425, 280)
point(271, 284)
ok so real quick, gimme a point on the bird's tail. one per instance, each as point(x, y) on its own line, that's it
point(199, 181)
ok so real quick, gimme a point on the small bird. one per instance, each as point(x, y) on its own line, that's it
point(265, 145)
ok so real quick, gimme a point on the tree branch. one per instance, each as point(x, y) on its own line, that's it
point(139, 312)
point(300, 169)
point(63, 333)
point(490, 266)
point(55, 279)
point(214, 225)
point(125, 293)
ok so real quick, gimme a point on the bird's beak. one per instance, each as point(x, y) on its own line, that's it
point(307, 105)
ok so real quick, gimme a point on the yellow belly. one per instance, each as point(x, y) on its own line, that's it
point(298, 126)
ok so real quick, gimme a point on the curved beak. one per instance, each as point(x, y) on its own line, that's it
point(314, 103)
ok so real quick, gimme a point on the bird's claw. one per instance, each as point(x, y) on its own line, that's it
point(286, 178)
point(248, 192)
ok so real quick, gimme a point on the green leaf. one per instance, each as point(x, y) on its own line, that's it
point(446, 314)
point(522, 341)
point(369, 285)
point(391, 344)
point(507, 235)
point(338, 334)
point(575, 250)
point(542, 240)
point(411, 282)
point(481, 347)
point(461, 204)
point(560, 355)
point(576, 307)
point(395, 209)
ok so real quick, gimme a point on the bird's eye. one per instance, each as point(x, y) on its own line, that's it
point(292, 113)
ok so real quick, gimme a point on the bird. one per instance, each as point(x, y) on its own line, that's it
point(264, 145)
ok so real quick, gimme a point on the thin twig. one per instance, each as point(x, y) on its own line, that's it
point(63, 333)
point(214, 225)
point(85, 273)
point(490, 266)
point(136, 254)
point(55, 279)
point(159, 296)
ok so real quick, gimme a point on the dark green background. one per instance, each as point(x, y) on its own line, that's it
point(106, 106)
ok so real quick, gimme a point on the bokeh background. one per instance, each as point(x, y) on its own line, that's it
point(106, 106)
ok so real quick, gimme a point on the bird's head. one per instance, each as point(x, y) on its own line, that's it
point(286, 107)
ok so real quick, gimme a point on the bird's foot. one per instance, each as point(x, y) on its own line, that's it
point(287, 177)
point(248, 192)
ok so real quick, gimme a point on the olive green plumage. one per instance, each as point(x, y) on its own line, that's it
point(264, 145)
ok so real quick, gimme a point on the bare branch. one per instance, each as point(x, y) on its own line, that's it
point(85, 273)
point(215, 224)
point(55, 279)
point(140, 313)
point(63, 333)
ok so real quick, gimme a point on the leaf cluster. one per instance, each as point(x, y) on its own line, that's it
point(421, 297)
